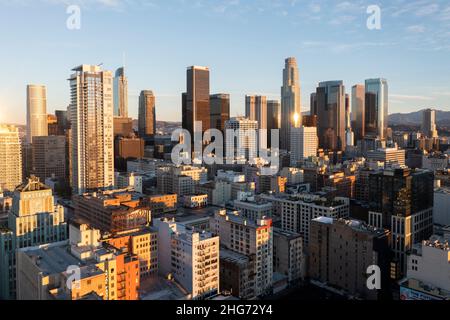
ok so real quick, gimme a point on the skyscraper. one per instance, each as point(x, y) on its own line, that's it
point(376, 108)
point(290, 100)
point(429, 123)
point(303, 144)
point(273, 120)
point(401, 200)
point(331, 115)
point(358, 111)
point(220, 110)
point(243, 141)
point(36, 112)
point(10, 158)
point(49, 157)
point(120, 94)
point(147, 114)
point(91, 116)
point(256, 110)
point(195, 101)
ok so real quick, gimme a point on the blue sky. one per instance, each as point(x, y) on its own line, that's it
point(244, 42)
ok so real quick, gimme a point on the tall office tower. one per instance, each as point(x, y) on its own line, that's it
point(304, 144)
point(429, 123)
point(376, 108)
point(348, 112)
point(256, 110)
point(273, 119)
point(91, 116)
point(33, 220)
point(313, 104)
point(243, 141)
point(250, 238)
point(341, 252)
point(331, 113)
point(358, 111)
point(195, 101)
point(36, 112)
point(10, 158)
point(401, 200)
point(147, 114)
point(120, 94)
point(290, 101)
point(220, 110)
point(49, 157)
point(63, 123)
point(192, 258)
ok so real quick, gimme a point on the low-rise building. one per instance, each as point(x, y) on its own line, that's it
point(160, 204)
point(288, 255)
point(195, 201)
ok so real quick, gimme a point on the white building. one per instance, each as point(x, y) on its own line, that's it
point(219, 192)
point(298, 211)
point(435, 162)
point(127, 180)
point(441, 210)
point(92, 137)
point(304, 143)
point(248, 237)
point(241, 145)
point(193, 258)
point(429, 265)
point(10, 158)
point(387, 156)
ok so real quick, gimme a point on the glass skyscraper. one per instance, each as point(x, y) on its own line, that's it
point(376, 108)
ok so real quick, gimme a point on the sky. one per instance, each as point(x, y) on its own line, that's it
point(243, 42)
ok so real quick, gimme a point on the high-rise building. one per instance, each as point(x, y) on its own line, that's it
point(256, 110)
point(91, 116)
point(429, 128)
point(290, 100)
point(401, 200)
point(120, 94)
point(36, 112)
point(358, 111)
point(10, 158)
point(341, 251)
point(331, 115)
point(195, 101)
point(250, 238)
point(376, 108)
point(49, 157)
point(220, 110)
point(304, 144)
point(243, 142)
point(147, 114)
point(273, 120)
point(34, 220)
point(192, 258)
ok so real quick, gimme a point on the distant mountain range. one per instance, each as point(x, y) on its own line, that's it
point(415, 118)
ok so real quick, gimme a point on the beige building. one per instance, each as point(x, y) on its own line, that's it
point(33, 220)
point(191, 257)
point(219, 192)
point(180, 180)
point(49, 157)
point(36, 112)
point(92, 140)
point(387, 156)
point(10, 158)
point(147, 114)
point(250, 238)
point(165, 203)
